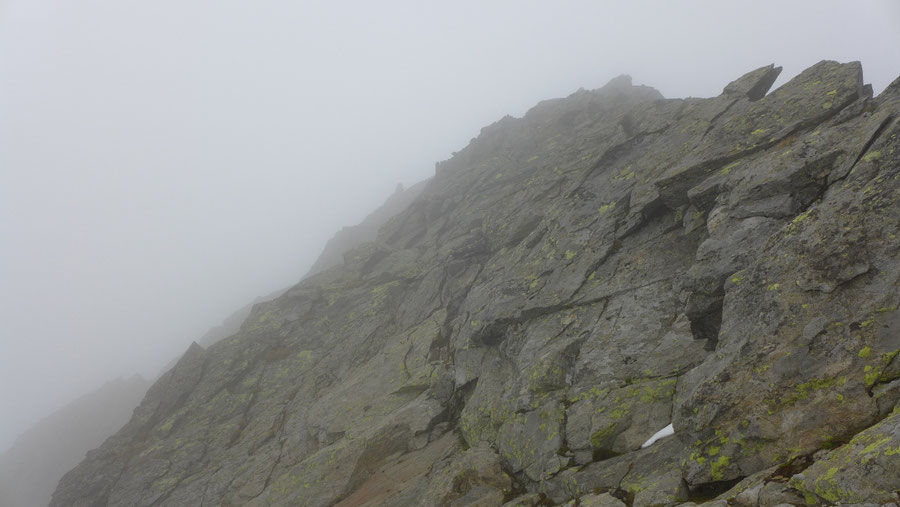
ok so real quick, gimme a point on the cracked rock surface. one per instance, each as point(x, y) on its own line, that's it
point(563, 287)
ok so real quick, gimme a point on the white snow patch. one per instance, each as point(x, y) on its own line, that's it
point(668, 430)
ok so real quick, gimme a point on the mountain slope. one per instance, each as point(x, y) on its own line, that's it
point(332, 255)
point(564, 287)
point(30, 469)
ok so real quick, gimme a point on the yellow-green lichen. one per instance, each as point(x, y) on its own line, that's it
point(593, 393)
point(727, 169)
point(606, 207)
point(801, 217)
point(167, 424)
point(625, 174)
point(870, 375)
point(599, 439)
point(872, 156)
point(874, 446)
point(717, 468)
point(873, 375)
point(802, 391)
point(268, 320)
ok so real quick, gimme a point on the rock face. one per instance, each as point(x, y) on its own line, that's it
point(567, 285)
point(30, 469)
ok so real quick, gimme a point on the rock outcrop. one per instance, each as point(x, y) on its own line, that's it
point(567, 285)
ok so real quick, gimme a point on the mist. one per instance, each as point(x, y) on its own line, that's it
point(163, 163)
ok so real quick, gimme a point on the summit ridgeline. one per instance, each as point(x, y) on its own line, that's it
point(566, 287)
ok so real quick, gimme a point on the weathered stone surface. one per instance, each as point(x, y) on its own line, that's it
point(566, 285)
point(814, 96)
point(823, 335)
point(755, 84)
point(527, 500)
point(439, 474)
point(768, 487)
point(650, 476)
point(602, 500)
point(620, 420)
point(863, 470)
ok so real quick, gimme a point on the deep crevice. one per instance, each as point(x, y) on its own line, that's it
point(603, 455)
point(791, 468)
point(624, 495)
point(493, 334)
point(706, 327)
point(458, 401)
point(517, 488)
point(710, 490)
point(871, 141)
point(712, 122)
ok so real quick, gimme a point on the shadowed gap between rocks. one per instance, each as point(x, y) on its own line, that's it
point(710, 490)
point(706, 327)
point(880, 130)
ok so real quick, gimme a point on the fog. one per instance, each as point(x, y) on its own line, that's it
point(163, 163)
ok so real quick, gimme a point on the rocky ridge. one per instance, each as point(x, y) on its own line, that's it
point(564, 287)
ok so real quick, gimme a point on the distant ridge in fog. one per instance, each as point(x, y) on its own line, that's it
point(353, 236)
point(30, 469)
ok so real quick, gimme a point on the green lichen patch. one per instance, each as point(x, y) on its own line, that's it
point(270, 320)
point(803, 390)
point(862, 470)
point(605, 208)
point(643, 404)
point(877, 371)
point(727, 169)
point(718, 467)
point(872, 156)
point(625, 174)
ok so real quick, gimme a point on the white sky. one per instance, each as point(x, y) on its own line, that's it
point(164, 162)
